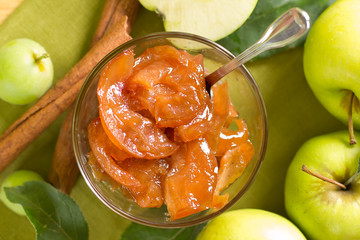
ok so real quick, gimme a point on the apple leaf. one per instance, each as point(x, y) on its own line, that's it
point(139, 232)
point(263, 15)
point(358, 170)
point(53, 214)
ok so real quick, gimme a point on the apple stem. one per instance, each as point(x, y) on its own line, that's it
point(38, 59)
point(350, 121)
point(329, 180)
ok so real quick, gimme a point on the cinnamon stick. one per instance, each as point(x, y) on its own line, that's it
point(113, 11)
point(35, 120)
point(64, 170)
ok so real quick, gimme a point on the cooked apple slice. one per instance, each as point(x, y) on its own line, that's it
point(213, 19)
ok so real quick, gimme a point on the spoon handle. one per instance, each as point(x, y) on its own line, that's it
point(284, 30)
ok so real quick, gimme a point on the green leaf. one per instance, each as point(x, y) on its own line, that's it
point(263, 15)
point(139, 232)
point(358, 170)
point(54, 215)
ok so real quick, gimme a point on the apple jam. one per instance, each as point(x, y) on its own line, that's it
point(160, 135)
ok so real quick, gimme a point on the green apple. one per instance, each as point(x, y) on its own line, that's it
point(250, 224)
point(213, 19)
point(323, 210)
point(332, 60)
point(15, 179)
point(26, 71)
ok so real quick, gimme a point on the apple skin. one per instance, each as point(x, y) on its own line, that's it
point(22, 79)
point(320, 209)
point(331, 58)
point(16, 179)
point(250, 224)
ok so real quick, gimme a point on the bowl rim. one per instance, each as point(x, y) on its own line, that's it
point(154, 36)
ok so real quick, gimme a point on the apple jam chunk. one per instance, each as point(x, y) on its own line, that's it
point(161, 137)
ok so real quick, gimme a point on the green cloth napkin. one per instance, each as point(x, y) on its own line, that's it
point(65, 29)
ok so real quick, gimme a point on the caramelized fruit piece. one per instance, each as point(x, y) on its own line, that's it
point(213, 118)
point(140, 86)
point(170, 84)
point(150, 174)
point(99, 173)
point(229, 139)
point(233, 115)
point(196, 128)
point(127, 129)
point(220, 100)
point(220, 201)
point(201, 123)
point(142, 178)
point(233, 164)
point(103, 149)
point(190, 183)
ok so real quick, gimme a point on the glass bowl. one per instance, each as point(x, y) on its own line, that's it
point(244, 94)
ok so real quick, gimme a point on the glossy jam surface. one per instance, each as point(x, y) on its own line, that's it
point(161, 137)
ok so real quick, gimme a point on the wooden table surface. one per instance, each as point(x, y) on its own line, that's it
point(6, 7)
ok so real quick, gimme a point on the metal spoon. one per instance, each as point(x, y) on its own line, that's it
point(284, 30)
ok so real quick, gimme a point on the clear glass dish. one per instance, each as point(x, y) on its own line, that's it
point(244, 94)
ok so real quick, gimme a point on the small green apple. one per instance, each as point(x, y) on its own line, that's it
point(321, 209)
point(213, 19)
point(332, 60)
point(26, 71)
point(250, 224)
point(15, 179)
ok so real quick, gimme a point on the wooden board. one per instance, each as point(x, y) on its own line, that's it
point(6, 7)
